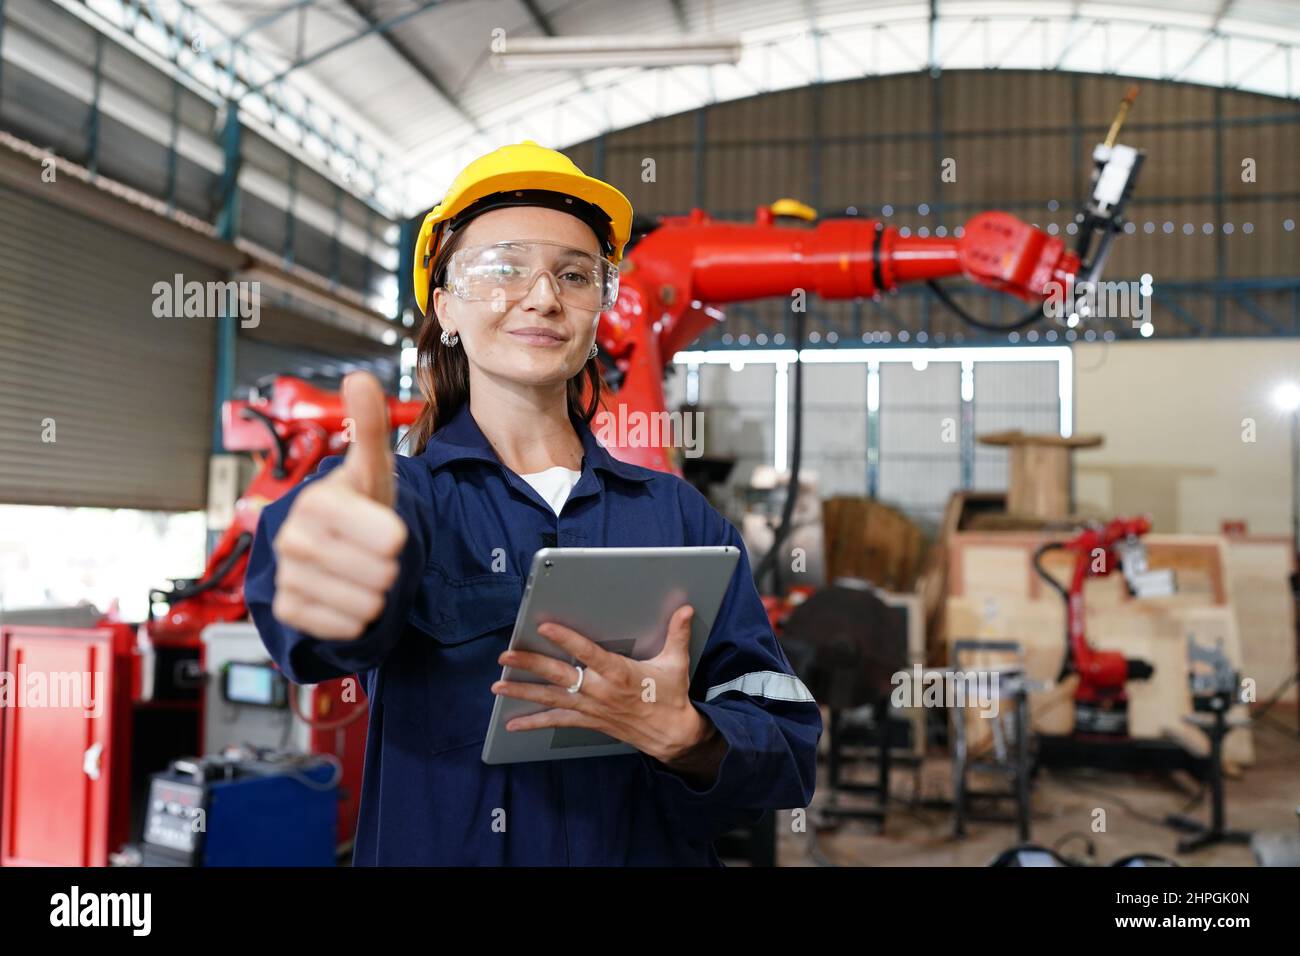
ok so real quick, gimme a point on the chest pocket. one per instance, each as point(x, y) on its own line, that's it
point(456, 611)
point(466, 624)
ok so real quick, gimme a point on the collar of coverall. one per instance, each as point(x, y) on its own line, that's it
point(461, 438)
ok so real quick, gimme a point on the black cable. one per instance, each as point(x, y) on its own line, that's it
point(1067, 662)
point(184, 592)
point(1028, 319)
point(1268, 720)
point(877, 272)
point(1091, 848)
point(281, 446)
point(1261, 709)
point(1129, 808)
point(768, 562)
point(1195, 800)
point(815, 852)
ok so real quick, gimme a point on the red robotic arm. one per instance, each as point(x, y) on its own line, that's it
point(1100, 698)
point(674, 280)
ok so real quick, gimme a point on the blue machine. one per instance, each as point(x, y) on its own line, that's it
point(243, 809)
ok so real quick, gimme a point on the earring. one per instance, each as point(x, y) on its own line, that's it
point(595, 350)
point(449, 339)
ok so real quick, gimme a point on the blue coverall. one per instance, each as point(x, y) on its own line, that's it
point(429, 660)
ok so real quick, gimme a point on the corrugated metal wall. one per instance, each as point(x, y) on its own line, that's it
point(920, 436)
point(921, 428)
point(738, 416)
point(1023, 395)
point(1021, 141)
point(125, 396)
point(835, 426)
point(286, 343)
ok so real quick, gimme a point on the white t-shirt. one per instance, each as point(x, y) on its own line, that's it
point(554, 484)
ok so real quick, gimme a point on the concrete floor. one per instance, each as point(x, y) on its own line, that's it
point(1264, 798)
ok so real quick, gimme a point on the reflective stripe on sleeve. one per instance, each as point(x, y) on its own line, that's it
point(771, 684)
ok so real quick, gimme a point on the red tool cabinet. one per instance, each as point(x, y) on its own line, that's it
point(64, 774)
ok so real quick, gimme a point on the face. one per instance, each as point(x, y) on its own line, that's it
point(536, 340)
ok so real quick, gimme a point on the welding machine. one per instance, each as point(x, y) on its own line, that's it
point(243, 808)
point(247, 701)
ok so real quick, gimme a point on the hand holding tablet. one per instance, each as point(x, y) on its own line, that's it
point(642, 703)
point(635, 620)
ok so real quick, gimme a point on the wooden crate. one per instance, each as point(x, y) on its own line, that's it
point(916, 656)
point(1000, 563)
point(1258, 570)
point(871, 541)
point(932, 583)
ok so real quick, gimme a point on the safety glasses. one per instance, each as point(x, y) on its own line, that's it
point(505, 272)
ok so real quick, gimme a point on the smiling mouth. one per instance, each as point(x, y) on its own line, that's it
point(538, 336)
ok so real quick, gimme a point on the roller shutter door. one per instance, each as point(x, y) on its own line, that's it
point(128, 394)
point(287, 343)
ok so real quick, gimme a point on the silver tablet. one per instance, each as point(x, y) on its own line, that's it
point(621, 598)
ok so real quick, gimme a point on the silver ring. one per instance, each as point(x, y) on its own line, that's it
point(577, 685)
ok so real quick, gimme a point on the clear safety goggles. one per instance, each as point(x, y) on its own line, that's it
point(506, 271)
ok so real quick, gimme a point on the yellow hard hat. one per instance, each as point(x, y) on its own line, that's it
point(521, 174)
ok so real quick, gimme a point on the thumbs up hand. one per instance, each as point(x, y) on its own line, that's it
point(337, 549)
point(368, 467)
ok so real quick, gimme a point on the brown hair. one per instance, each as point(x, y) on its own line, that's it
point(442, 372)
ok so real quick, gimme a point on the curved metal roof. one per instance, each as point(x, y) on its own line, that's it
point(414, 84)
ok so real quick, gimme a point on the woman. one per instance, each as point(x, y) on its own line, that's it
point(410, 570)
